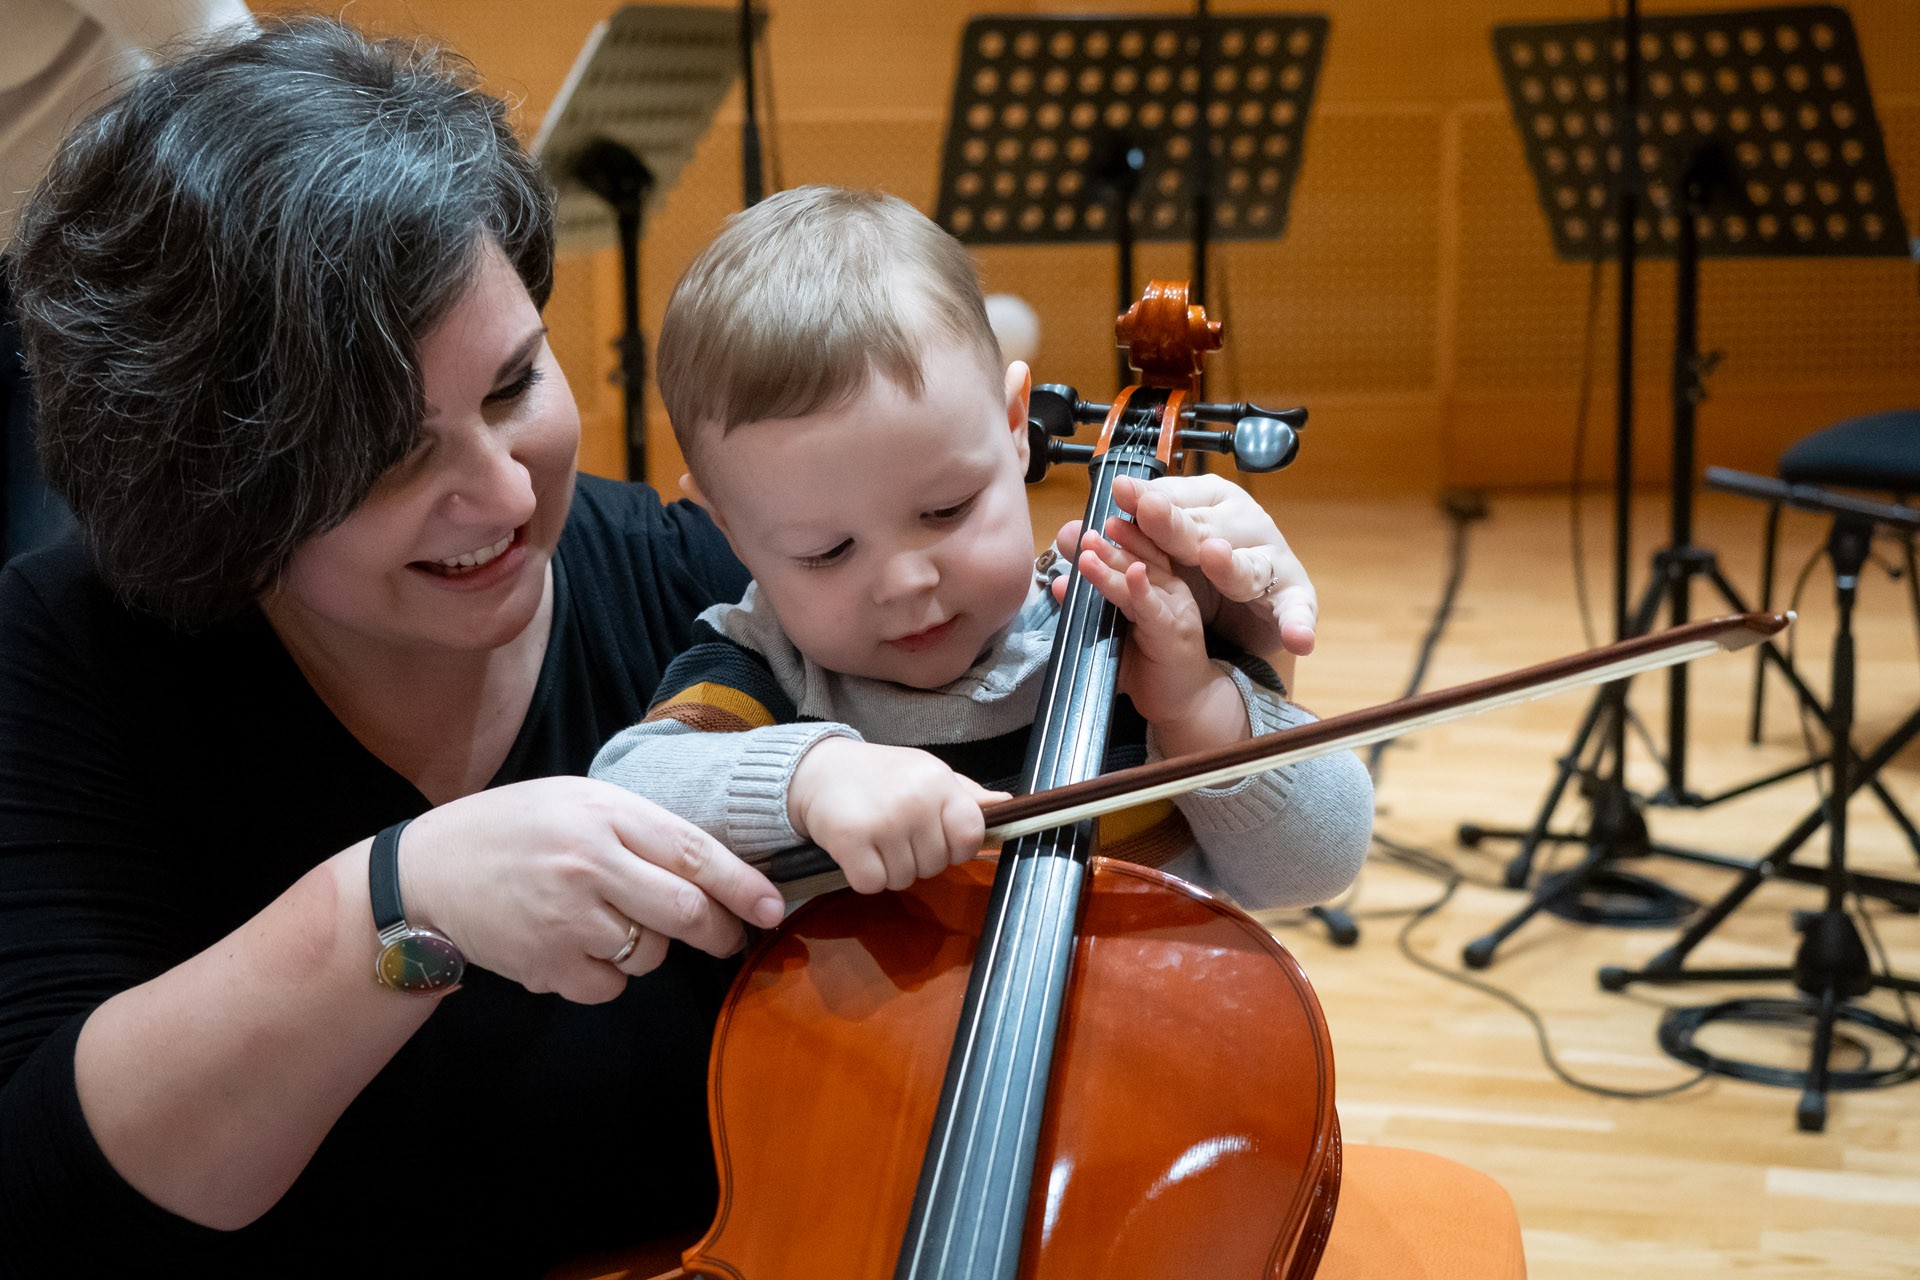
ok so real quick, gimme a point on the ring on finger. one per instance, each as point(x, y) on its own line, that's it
point(626, 949)
point(1273, 580)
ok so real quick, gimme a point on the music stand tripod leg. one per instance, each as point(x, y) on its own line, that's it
point(1831, 967)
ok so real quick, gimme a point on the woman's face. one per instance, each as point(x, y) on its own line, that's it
point(450, 551)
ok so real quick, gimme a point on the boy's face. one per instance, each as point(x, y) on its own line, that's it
point(889, 535)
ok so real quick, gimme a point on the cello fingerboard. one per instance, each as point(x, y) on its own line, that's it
point(970, 1207)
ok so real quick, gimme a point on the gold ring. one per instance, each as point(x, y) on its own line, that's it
point(633, 940)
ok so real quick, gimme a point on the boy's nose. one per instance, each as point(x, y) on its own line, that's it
point(906, 574)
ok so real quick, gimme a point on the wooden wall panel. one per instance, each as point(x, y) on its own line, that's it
point(1415, 302)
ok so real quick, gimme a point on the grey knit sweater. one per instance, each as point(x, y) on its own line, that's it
point(1288, 837)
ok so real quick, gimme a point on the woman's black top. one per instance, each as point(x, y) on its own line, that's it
point(158, 789)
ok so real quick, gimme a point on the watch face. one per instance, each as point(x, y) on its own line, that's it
point(421, 963)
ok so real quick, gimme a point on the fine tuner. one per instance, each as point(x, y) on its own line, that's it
point(1261, 439)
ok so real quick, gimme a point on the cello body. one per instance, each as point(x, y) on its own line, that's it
point(1190, 1127)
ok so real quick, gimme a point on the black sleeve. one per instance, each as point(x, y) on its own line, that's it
point(712, 575)
point(86, 910)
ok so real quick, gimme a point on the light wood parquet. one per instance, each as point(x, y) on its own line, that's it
point(1716, 1180)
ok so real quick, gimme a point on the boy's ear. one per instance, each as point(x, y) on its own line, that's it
point(691, 488)
point(1019, 388)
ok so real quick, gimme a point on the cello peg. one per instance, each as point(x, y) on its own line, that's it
point(1054, 407)
point(1263, 444)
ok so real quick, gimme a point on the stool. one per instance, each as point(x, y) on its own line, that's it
point(1878, 452)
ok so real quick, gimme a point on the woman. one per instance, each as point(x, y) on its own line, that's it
point(282, 308)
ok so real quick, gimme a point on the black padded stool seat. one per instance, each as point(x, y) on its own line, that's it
point(1876, 451)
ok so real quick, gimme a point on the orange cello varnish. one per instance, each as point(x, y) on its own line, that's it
point(1176, 1139)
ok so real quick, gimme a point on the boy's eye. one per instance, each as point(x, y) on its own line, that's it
point(517, 388)
point(955, 511)
point(826, 558)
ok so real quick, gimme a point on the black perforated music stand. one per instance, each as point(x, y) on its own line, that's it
point(1753, 134)
point(1065, 130)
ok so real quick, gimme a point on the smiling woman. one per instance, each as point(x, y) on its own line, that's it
point(282, 305)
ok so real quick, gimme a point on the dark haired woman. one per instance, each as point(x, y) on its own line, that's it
point(282, 306)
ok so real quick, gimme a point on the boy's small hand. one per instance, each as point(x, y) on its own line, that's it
point(1165, 669)
point(1250, 586)
point(887, 815)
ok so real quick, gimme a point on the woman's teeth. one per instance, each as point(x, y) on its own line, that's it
point(474, 559)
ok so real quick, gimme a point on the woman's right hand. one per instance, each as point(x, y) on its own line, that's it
point(539, 880)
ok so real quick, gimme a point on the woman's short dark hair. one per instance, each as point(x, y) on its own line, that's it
point(222, 285)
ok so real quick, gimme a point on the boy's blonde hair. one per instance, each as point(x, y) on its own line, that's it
point(802, 300)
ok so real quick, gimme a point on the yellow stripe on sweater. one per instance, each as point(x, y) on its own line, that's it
point(720, 697)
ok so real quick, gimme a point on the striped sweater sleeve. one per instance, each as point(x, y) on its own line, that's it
point(718, 747)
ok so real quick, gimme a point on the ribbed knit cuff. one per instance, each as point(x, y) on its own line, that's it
point(757, 797)
point(1250, 803)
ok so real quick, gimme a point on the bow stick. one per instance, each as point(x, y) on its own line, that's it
point(806, 870)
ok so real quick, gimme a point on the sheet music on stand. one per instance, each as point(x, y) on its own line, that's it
point(1038, 100)
point(649, 77)
point(1779, 93)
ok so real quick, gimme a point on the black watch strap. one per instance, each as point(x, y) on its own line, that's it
point(383, 878)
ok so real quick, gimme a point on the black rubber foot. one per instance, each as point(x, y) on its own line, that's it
point(1471, 834)
point(1478, 954)
point(1811, 1114)
point(1613, 978)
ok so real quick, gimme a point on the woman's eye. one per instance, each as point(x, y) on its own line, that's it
point(517, 388)
point(826, 558)
point(955, 511)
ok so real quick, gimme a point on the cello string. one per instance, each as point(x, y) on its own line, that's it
point(1082, 612)
point(1016, 963)
point(1105, 621)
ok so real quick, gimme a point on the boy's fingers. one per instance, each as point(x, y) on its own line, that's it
point(1136, 542)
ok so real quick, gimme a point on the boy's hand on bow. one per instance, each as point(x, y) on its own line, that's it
point(887, 815)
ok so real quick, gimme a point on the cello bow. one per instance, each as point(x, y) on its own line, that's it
point(807, 869)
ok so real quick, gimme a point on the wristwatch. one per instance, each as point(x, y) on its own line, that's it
point(418, 961)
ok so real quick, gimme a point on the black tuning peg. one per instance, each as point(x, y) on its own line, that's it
point(1259, 441)
point(1043, 451)
point(1051, 408)
point(1234, 413)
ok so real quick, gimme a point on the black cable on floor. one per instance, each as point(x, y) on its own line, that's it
point(1464, 509)
point(1451, 883)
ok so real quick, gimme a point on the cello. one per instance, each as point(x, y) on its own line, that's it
point(1043, 1064)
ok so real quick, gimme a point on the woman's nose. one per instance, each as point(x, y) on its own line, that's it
point(493, 486)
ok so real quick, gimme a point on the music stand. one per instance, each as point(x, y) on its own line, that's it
point(1069, 130)
point(642, 91)
point(1830, 967)
point(1755, 135)
point(1065, 130)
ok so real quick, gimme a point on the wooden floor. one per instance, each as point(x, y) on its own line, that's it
point(1715, 1180)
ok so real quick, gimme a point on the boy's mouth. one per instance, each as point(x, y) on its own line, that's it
point(922, 640)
